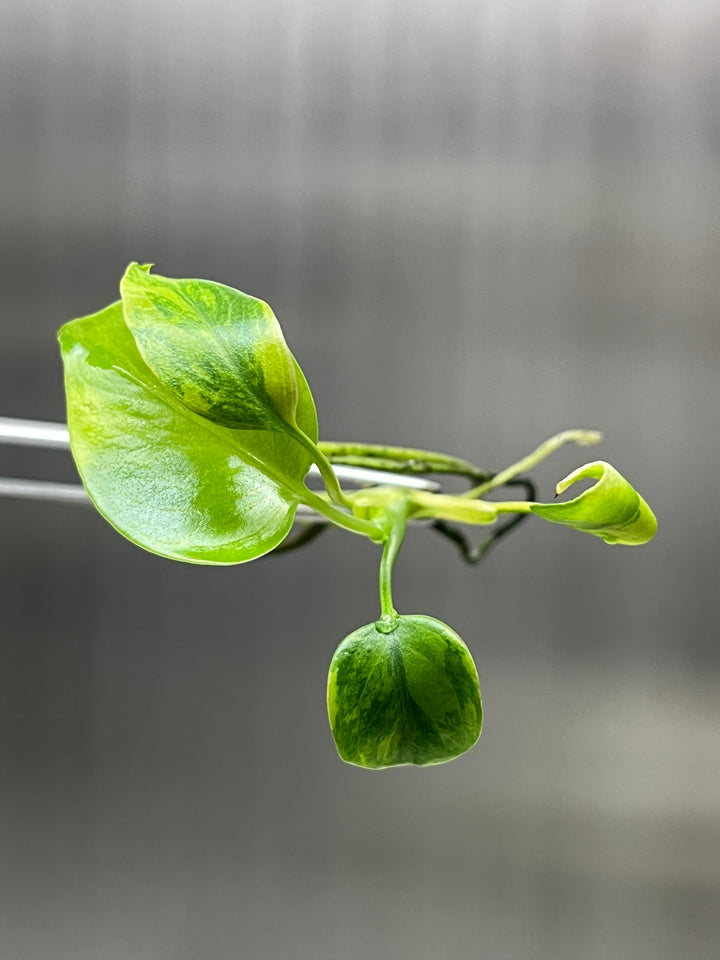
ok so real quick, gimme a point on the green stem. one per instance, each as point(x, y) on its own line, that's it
point(388, 613)
point(381, 456)
point(443, 506)
point(582, 437)
point(325, 467)
point(397, 512)
point(331, 481)
point(514, 506)
point(367, 528)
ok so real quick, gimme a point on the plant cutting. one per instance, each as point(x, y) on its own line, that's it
point(193, 429)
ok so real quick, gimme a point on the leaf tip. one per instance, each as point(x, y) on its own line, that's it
point(136, 271)
point(63, 334)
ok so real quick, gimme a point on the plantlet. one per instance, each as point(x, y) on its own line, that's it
point(193, 429)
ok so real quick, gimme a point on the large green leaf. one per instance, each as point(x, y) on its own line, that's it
point(220, 351)
point(408, 696)
point(610, 509)
point(172, 481)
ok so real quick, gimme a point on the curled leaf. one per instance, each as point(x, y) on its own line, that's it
point(221, 352)
point(410, 695)
point(610, 509)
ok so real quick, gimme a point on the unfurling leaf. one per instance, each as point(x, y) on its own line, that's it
point(610, 509)
point(170, 480)
point(221, 352)
point(407, 696)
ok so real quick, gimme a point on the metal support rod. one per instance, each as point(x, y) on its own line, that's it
point(34, 433)
point(55, 436)
point(41, 433)
point(43, 490)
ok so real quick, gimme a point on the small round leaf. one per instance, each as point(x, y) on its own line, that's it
point(408, 696)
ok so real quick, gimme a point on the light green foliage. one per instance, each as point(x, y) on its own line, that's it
point(407, 695)
point(193, 429)
point(610, 508)
point(172, 482)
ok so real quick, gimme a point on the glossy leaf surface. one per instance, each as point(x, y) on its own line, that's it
point(171, 481)
point(610, 509)
point(409, 696)
point(220, 351)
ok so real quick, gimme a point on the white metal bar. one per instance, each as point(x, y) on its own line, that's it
point(55, 436)
point(43, 490)
point(52, 492)
point(364, 477)
point(34, 433)
point(41, 433)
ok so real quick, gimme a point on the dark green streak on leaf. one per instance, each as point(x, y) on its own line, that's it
point(220, 351)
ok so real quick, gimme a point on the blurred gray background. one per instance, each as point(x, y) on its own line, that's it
point(479, 222)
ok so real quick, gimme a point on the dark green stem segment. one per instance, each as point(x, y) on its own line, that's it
point(401, 459)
